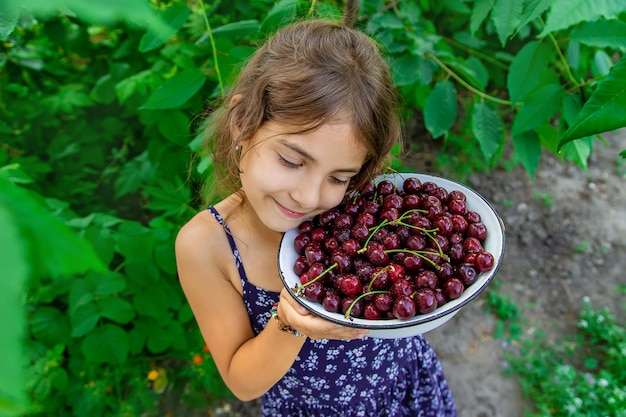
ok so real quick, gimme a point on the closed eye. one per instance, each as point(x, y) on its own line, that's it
point(288, 163)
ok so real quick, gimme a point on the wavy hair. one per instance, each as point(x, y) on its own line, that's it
point(307, 74)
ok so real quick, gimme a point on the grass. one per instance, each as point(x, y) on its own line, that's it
point(580, 375)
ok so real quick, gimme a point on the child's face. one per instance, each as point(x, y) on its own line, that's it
point(287, 178)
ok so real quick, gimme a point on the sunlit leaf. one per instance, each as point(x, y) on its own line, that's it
point(506, 16)
point(601, 64)
point(578, 151)
point(565, 13)
point(532, 10)
point(282, 13)
point(175, 91)
point(601, 33)
point(237, 30)
point(606, 108)
point(174, 17)
point(441, 108)
point(488, 129)
point(15, 271)
point(8, 19)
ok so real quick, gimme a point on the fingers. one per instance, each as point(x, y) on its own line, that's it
point(302, 320)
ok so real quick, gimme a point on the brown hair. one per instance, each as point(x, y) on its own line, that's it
point(309, 73)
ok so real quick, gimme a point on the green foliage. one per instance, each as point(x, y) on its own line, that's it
point(101, 105)
point(581, 376)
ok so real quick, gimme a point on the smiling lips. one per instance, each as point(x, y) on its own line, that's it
point(289, 213)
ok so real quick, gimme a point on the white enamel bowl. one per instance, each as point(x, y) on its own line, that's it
point(421, 323)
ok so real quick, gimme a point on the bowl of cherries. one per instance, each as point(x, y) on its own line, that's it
point(400, 257)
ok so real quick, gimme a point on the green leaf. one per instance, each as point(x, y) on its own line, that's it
point(527, 69)
point(8, 21)
point(53, 248)
point(578, 151)
point(601, 64)
point(135, 241)
point(606, 108)
point(151, 302)
point(506, 16)
point(441, 108)
point(103, 90)
point(601, 34)
point(49, 326)
point(134, 12)
point(174, 126)
point(282, 13)
point(109, 283)
point(532, 10)
point(116, 309)
point(174, 17)
point(539, 107)
point(175, 91)
point(237, 30)
point(488, 128)
point(528, 149)
point(84, 319)
point(134, 174)
point(106, 344)
point(406, 69)
point(566, 13)
point(15, 272)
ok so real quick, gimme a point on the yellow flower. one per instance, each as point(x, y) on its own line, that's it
point(153, 374)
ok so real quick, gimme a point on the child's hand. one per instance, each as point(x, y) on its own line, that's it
point(300, 319)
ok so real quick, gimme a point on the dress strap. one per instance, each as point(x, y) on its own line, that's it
point(231, 242)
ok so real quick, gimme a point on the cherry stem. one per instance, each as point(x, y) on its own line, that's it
point(300, 288)
point(349, 310)
point(376, 275)
point(421, 254)
point(374, 230)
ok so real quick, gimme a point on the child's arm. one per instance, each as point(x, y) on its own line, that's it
point(249, 365)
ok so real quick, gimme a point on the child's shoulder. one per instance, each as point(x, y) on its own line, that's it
point(202, 236)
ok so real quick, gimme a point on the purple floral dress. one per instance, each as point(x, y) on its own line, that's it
point(367, 377)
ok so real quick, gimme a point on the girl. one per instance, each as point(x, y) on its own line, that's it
point(311, 117)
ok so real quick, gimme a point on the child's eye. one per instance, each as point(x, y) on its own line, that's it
point(339, 181)
point(287, 163)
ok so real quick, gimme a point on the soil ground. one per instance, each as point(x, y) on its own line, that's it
point(565, 239)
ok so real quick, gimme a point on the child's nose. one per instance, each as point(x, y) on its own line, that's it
point(307, 192)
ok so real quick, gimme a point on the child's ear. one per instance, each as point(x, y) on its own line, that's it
point(235, 129)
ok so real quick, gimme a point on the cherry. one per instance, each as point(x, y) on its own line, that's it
point(360, 232)
point(376, 254)
point(411, 201)
point(404, 307)
point(412, 185)
point(331, 244)
point(457, 195)
point(366, 219)
point(390, 214)
point(425, 300)
point(371, 312)
point(400, 288)
point(484, 261)
point(459, 224)
point(472, 217)
point(343, 221)
point(314, 253)
point(444, 225)
point(331, 301)
point(300, 265)
point(467, 273)
point(472, 244)
point(383, 302)
point(412, 263)
point(327, 217)
point(343, 260)
point(354, 306)
point(391, 241)
point(453, 288)
point(426, 279)
point(457, 207)
point(393, 201)
point(351, 247)
point(348, 284)
point(477, 230)
point(314, 291)
point(301, 241)
point(305, 227)
point(318, 234)
point(385, 187)
point(429, 187)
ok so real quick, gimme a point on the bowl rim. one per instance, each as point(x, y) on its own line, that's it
point(390, 324)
